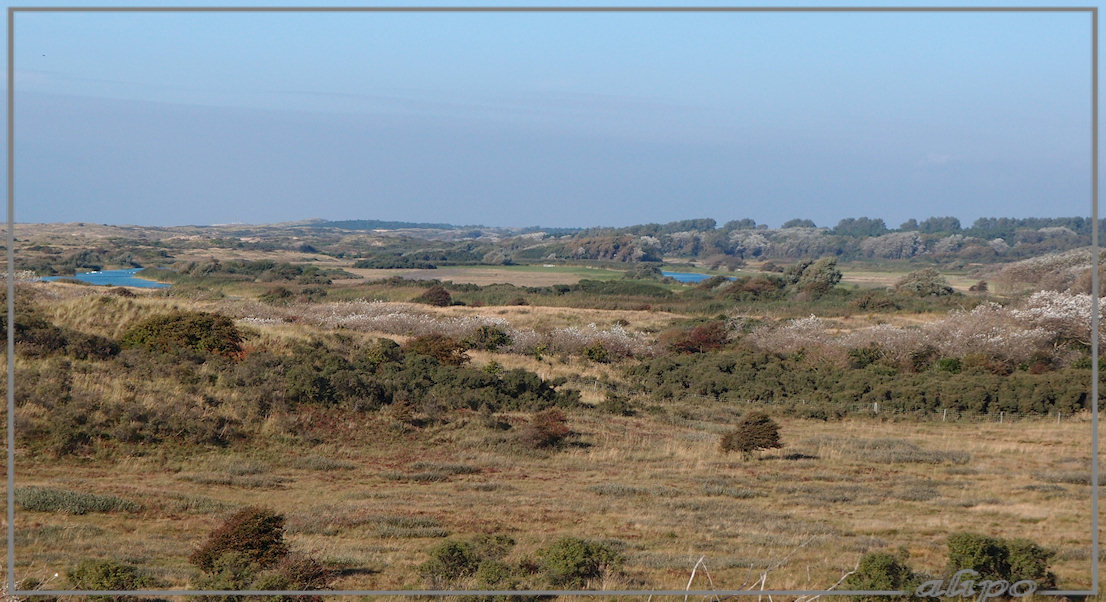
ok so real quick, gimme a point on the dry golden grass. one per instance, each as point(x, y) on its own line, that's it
point(546, 318)
point(484, 275)
point(658, 485)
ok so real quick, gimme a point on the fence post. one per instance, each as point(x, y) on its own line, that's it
point(945, 415)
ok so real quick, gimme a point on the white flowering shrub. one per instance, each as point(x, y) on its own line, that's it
point(1044, 323)
point(1055, 271)
point(409, 319)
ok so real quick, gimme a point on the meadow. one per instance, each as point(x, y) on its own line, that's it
point(511, 419)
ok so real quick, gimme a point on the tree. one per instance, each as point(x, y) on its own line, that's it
point(940, 225)
point(755, 431)
point(924, 283)
point(859, 227)
point(820, 277)
point(798, 223)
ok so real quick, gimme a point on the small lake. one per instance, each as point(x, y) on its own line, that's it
point(689, 277)
point(113, 278)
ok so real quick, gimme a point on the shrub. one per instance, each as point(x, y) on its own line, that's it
point(450, 561)
point(195, 331)
point(303, 572)
point(488, 338)
point(862, 357)
point(702, 338)
point(596, 352)
point(924, 283)
point(881, 571)
point(445, 349)
point(616, 404)
point(109, 575)
point(436, 296)
point(571, 562)
point(994, 558)
point(755, 431)
point(1030, 561)
point(254, 532)
point(547, 428)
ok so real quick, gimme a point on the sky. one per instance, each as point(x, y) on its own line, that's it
point(551, 119)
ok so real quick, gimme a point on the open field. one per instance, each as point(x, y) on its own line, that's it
point(519, 275)
point(373, 498)
point(135, 445)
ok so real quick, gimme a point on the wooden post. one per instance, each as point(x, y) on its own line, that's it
point(1000, 414)
point(945, 415)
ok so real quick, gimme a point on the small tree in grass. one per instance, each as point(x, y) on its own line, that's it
point(437, 296)
point(755, 431)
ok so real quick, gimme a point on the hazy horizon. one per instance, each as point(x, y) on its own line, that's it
point(553, 119)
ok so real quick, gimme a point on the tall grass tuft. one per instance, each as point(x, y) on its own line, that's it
point(45, 499)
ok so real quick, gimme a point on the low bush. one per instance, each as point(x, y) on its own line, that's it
point(1000, 559)
point(575, 563)
point(547, 429)
point(755, 431)
point(256, 533)
point(196, 331)
point(109, 575)
point(445, 349)
point(881, 571)
point(436, 296)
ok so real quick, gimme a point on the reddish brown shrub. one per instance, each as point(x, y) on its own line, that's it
point(548, 428)
point(254, 532)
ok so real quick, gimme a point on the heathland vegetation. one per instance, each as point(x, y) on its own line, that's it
point(372, 405)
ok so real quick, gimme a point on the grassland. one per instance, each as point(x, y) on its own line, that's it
point(372, 490)
point(374, 500)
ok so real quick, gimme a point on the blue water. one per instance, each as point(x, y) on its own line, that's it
point(687, 276)
point(113, 278)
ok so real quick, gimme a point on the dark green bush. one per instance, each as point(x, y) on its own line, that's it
point(450, 561)
point(1000, 559)
point(596, 352)
point(574, 563)
point(195, 331)
point(488, 338)
point(880, 571)
point(445, 349)
point(924, 283)
point(109, 575)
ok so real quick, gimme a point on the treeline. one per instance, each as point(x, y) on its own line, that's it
point(938, 238)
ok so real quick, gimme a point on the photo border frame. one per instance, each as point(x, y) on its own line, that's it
point(12, 589)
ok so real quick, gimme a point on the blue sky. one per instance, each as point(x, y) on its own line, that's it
point(572, 119)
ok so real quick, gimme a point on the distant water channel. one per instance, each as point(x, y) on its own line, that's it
point(690, 277)
point(113, 278)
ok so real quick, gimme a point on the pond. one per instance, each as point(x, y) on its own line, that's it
point(689, 277)
point(113, 278)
